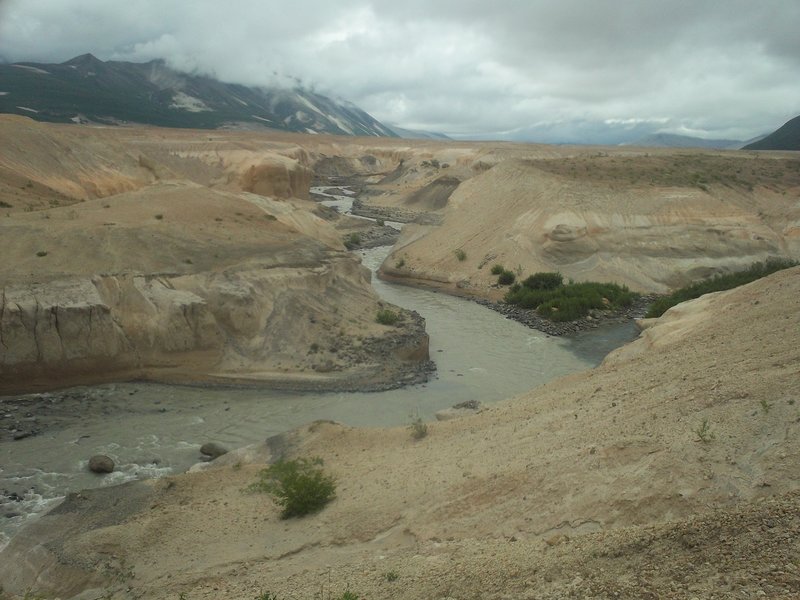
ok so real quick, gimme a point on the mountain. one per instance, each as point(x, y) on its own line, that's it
point(669, 140)
point(418, 134)
point(113, 92)
point(786, 137)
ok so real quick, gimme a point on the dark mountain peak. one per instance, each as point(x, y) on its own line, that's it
point(787, 137)
point(83, 60)
point(88, 89)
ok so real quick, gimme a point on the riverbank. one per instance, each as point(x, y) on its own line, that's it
point(606, 483)
point(526, 317)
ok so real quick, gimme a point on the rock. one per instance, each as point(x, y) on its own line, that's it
point(213, 450)
point(462, 409)
point(100, 463)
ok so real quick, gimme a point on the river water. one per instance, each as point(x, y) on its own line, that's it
point(151, 430)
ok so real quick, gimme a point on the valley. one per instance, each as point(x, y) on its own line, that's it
point(200, 271)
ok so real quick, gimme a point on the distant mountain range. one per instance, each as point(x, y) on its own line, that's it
point(787, 137)
point(86, 89)
point(669, 140)
point(418, 134)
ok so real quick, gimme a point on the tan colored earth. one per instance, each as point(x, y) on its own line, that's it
point(605, 484)
point(670, 471)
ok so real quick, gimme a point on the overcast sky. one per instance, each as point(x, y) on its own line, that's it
point(546, 70)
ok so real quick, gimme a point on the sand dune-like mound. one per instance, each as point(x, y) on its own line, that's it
point(671, 470)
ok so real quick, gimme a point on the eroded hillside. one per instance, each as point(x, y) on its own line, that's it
point(669, 471)
point(167, 256)
point(650, 221)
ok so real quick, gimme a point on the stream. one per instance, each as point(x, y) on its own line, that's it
point(152, 430)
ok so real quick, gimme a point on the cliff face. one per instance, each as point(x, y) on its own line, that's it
point(136, 256)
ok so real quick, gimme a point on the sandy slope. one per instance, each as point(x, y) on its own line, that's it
point(638, 220)
point(585, 484)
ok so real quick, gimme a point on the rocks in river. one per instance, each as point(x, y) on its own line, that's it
point(100, 463)
point(212, 450)
point(462, 409)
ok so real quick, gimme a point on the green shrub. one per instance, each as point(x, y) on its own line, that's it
point(299, 486)
point(353, 241)
point(718, 283)
point(497, 269)
point(418, 428)
point(387, 317)
point(544, 281)
point(380, 222)
point(41, 253)
point(460, 255)
point(506, 278)
point(571, 301)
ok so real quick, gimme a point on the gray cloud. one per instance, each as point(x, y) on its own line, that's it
point(513, 68)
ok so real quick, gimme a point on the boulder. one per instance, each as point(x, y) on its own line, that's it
point(100, 463)
point(462, 409)
point(212, 450)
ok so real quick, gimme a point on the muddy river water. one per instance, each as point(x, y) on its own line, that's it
point(152, 430)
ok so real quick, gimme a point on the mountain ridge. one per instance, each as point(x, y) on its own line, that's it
point(87, 89)
point(786, 137)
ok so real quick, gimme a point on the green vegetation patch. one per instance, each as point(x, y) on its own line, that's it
point(719, 283)
point(560, 302)
point(387, 317)
point(299, 486)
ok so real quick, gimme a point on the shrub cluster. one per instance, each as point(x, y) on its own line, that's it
point(387, 317)
point(352, 241)
point(504, 276)
point(460, 255)
point(718, 283)
point(300, 486)
point(556, 301)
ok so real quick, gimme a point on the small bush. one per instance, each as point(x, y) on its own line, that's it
point(418, 428)
point(460, 255)
point(391, 576)
point(387, 317)
point(380, 222)
point(506, 278)
point(544, 281)
point(300, 486)
point(353, 241)
point(41, 253)
point(400, 263)
point(159, 216)
point(497, 269)
point(704, 432)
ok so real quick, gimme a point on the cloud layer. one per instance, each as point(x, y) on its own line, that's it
point(556, 71)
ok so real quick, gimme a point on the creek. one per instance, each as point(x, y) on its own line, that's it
point(152, 430)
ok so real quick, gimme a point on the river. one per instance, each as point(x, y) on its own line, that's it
point(151, 430)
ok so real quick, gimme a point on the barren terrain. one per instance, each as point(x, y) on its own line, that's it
point(670, 471)
point(602, 484)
